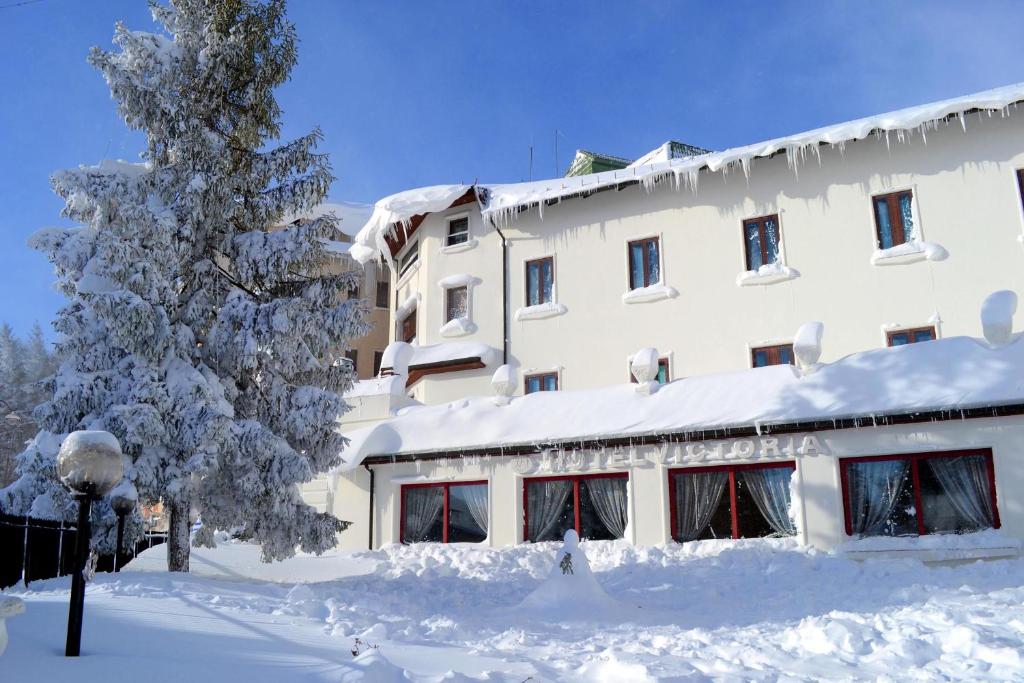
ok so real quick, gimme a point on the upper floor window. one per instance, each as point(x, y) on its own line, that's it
point(901, 337)
point(408, 327)
point(663, 376)
point(458, 231)
point(444, 513)
point(780, 354)
point(409, 258)
point(594, 505)
point(918, 494)
point(894, 218)
point(456, 303)
point(540, 281)
point(761, 239)
point(378, 356)
point(737, 501)
point(547, 381)
point(644, 263)
point(383, 288)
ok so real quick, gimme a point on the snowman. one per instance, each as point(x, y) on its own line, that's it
point(570, 586)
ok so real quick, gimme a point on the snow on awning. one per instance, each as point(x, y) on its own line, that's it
point(501, 203)
point(956, 373)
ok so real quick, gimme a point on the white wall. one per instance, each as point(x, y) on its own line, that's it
point(967, 201)
point(817, 476)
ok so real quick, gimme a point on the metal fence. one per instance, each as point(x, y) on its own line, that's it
point(33, 549)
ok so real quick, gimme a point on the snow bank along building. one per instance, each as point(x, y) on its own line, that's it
point(631, 352)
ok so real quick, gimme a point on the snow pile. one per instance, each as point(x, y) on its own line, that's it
point(947, 374)
point(377, 386)
point(767, 274)
point(502, 203)
point(807, 344)
point(452, 351)
point(909, 252)
point(997, 317)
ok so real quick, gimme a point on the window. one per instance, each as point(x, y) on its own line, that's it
point(456, 303)
point(408, 327)
point(761, 240)
point(352, 355)
point(409, 258)
point(738, 501)
point(458, 231)
point(594, 505)
point(378, 356)
point(644, 263)
point(540, 281)
point(353, 288)
point(781, 354)
point(547, 381)
point(663, 376)
point(918, 494)
point(901, 337)
point(444, 513)
point(894, 218)
point(383, 289)
point(1020, 184)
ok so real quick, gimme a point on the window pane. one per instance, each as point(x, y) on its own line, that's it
point(549, 509)
point(533, 283)
point(753, 245)
point(603, 508)
point(899, 338)
point(458, 303)
point(550, 382)
point(409, 258)
point(653, 264)
point(786, 355)
point(422, 509)
point(378, 356)
point(548, 281)
point(702, 505)
point(924, 335)
point(383, 294)
point(761, 358)
point(956, 495)
point(884, 225)
point(467, 513)
point(881, 498)
point(762, 502)
point(458, 231)
point(532, 384)
point(771, 236)
point(907, 217)
point(636, 265)
point(662, 371)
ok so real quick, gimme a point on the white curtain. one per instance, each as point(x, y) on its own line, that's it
point(697, 498)
point(769, 487)
point(476, 501)
point(545, 502)
point(608, 494)
point(874, 488)
point(965, 481)
point(423, 505)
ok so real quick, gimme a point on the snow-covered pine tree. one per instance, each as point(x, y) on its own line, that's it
point(207, 342)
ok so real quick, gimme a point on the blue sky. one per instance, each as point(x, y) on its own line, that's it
point(419, 93)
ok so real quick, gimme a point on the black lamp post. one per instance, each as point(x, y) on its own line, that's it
point(122, 499)
point(89, 463)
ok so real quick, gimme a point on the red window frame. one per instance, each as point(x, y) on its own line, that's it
point(915, 459)
point(662, 363)
point(773, 352)
point(910, 332)
point(448, 317)
point(575, 479)
point(444, 510)
point(761, 236)
point(892, 201)
point(647, 261)
point(732, 470)
point(541, 376)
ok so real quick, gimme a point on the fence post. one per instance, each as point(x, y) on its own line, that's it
point(24, 555)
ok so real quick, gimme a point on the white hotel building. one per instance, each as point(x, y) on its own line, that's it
point(890, 231)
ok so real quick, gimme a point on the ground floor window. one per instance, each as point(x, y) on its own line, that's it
point(737, 501)
point(594, 505)
point(918, 494)
point(444, 513)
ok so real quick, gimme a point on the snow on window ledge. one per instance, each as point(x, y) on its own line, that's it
point(987, 544)
point(407, 306)
point(458, 248)
point(909, 252)
point(458, 327)
point(768, 274)
point(642, 295)
point(548, 309)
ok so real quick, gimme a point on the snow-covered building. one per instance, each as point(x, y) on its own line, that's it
point(889, 230)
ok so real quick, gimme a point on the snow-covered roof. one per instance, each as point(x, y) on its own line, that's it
point(501, 203)
point(956, 373)
point(446, 352)
point(671, 149)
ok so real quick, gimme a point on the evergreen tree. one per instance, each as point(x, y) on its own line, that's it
point(207, 342)
point(24, 367)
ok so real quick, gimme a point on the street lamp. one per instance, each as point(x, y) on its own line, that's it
point(89, 463)
point(122, 498)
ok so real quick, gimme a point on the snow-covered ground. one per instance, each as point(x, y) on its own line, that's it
point(715, 610)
